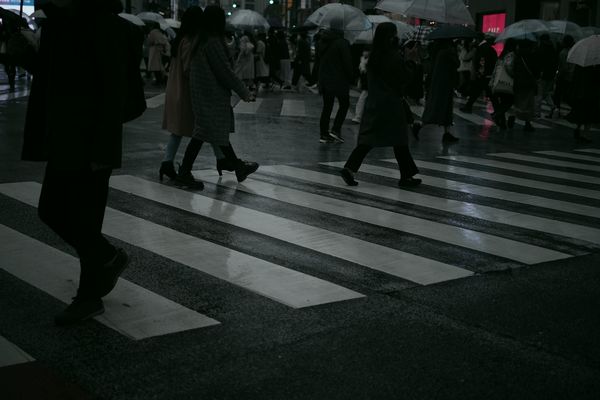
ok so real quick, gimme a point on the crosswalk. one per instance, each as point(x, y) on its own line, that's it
point(470, 216)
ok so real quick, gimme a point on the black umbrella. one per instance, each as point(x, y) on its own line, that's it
point(451, 32)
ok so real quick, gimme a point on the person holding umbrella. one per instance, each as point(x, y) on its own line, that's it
point(384, 122)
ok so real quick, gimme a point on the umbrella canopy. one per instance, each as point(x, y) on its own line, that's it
point(39, 13)
point(173, 23)
point(523, 29)
point(30, 21)
point(151, 16)
point(447, 11)
point(590, 30)
point(248, 20)
point(367, 36)
point(451, 32)
point(421, 32)
point(565, 28)
point(586, 52)
point(336, 16)
point(131, 18)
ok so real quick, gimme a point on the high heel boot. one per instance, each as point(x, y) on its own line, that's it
point(224, 164)
point(167, 168)
point(244, 168)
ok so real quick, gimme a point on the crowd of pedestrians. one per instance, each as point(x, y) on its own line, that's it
point(79, 101)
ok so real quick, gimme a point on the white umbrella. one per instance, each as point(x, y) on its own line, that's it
point(367, 36)
point(39, 13)
point(248, 20)
point(151, 16)
point(131, 18)
point(565, 28)
point(447, 11)
point(173, 23)
point(341, 17)
point(586, 52)
point(523, 29)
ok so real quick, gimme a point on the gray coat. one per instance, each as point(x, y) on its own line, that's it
point(211, 81)
point(384, 121)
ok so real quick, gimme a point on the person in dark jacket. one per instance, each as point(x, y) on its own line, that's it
point(546, 58)
point(302, 61)
point(439, 108)
point(384, 122)
point(78, 103)
point(564, 77)
point(586, 101)
point(524, 86)
point(483, 66)
point(335, 76)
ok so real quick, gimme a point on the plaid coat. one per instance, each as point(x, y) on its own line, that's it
point(211, 81)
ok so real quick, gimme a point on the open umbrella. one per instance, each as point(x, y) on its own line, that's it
point(151, 16)
point(589, 31)
point(451, 32)
point(173, 23)
point(367, 36)
point(343, 17)
point(131, 18)
point(586, 52)
point(248, 20)
point(447, 11)
point(523, 29)
point(560, 27)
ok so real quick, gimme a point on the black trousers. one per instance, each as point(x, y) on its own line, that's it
point(193, 148)
point(328, 100)
point(406, 164)
point(301, 69)
point(477, 86)
point(72, 204)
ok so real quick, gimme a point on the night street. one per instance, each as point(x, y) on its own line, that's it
point(482, 283)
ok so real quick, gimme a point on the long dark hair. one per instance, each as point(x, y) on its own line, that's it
point(383, 45)
point(213, 26)
point(192, 23)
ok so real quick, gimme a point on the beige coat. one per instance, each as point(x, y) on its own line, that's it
point(178, 117)
point(157, 46)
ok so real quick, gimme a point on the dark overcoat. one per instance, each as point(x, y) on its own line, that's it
point(211, 81)
point(84, 87)
point(335, 64)
point(440, 96)
point(384, 121)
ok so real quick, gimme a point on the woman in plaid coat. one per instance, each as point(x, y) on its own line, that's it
point(211, 81)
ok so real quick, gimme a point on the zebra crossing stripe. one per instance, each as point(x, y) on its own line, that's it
point(486, 243)
point(284, 285)
point(10, 354)
point(492, 214)
point(130, 309)
point(252, 107)
point(548, 161)
point(569, 155)
point(156, 101)
point(14, 95)
point(524, 168)
point(593, 151)
point(523, 198)
point(513, 180)
point(293, 108)
point(358, 251)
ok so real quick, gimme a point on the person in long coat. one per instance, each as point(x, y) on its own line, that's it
point(244, 65)
point(384, 121)
point(77, 105)
point(261, 68)
point(439, 108)
point(211, 81)
point(525, 85)
point(158, 45)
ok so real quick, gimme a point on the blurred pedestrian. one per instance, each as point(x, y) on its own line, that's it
point(335, 77)
point(302, 61)
point(586, 101)
point(211, 81)
point(261, 68)
point(77, 105)
point(524, 86)
point(546, 58)
point(483, 65)
point(285, 62)
point(502, 83)
point(413, 57)
point(466, 54)
point(272, 57)
point(364, 87)
point(244, 65)
point(564, 77)
point(384, 122)
point(439, 107)
point(158, 45)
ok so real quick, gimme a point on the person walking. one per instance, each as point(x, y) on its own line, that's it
point(158, 45)
point(483, 64)
point(412, 55)
point(302, 61)
point(77, 105)
point(335, 77)
point(564, 77)
point(466, 54)
point(364, 87)
point(546, 58)
point(503, 94)
point(524, 86)
point(211, 81)
point(586, 101)
point(439, 108)
point(285, 62)
point(384, 121)
point(261, 68)
point(244, 65)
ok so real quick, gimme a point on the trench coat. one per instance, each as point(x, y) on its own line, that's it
point(158, 45)
point(80, 99)
point(244, 66)
point(178, 117)
point(260, 66)
point(440, 96)
point(384, 121)
point(211, 81)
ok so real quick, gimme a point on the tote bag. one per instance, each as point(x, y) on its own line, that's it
point(501, 81)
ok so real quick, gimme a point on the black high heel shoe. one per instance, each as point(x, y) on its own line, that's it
point(167, 168)
point(187, 179)
point(244, 168)
point(224, 164)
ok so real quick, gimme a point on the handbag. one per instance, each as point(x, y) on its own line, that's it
point(501, 81)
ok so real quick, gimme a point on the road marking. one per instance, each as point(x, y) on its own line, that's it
point(251, 107)
point(593, 151)
point(11, 354)
point(548, 161)
point(569, 155)
point(156, 101)
point(293, 108)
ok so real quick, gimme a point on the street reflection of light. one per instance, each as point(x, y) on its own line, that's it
point(228, 12)
point(234, 5)
point(271, 2)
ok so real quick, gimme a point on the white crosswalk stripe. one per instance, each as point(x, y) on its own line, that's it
point(10, 354)
point(301, 206)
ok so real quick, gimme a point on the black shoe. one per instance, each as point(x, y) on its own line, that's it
point(528, 127)
point(510, 122)
point(336, 136)
point(348, 178)
point(187, 179)
point(244, 169)
point(167, 168)
point(326, 139)
point(466, 109)
point(416, 128)
point(108, 274)
point(224, 164)
point(79, 310)
point(409, 182)
point(449, 138)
